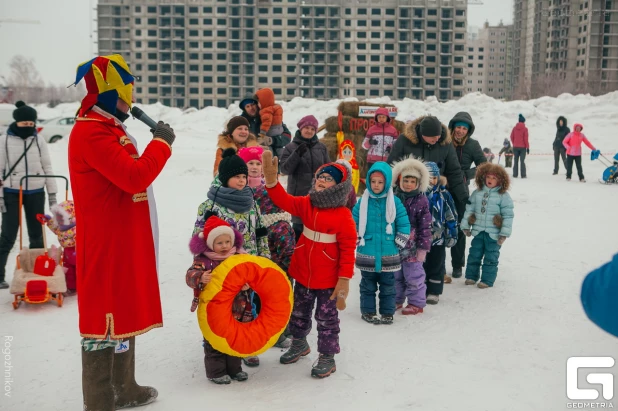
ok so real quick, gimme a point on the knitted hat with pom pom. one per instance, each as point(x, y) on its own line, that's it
point(24, 112)
point(231, 165)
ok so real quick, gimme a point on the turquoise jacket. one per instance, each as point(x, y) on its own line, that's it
point(485, 204)
point(381, 250)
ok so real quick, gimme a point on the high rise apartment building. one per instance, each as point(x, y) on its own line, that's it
point(488, 65)
point(565, 45)
point(211, 52)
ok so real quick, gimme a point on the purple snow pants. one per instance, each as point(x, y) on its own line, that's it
point(410, 283)
point(326, 316)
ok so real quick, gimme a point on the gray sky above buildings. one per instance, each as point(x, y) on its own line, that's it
point(62, 39)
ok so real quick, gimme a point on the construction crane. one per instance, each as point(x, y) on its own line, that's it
point(17, 21)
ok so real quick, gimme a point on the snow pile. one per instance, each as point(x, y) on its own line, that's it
point(499, 349)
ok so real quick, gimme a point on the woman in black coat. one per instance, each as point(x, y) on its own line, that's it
point(559, 150)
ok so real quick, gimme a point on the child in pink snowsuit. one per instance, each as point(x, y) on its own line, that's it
point(63, 225)
point(573, 144)
point(380, 138)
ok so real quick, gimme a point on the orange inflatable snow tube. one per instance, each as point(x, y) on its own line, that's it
point(214, 312)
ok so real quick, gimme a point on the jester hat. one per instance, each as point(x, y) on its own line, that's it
point(108, 78)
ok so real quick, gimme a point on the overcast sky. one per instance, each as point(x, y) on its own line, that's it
point(61, 40)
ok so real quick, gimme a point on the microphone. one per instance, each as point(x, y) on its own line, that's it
point(141, 116)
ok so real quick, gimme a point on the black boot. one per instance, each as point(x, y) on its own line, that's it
point(457, 272)
point(97, 379)
point(371, 318)
point(324, 367)
point(128, 393)
point(299, 348)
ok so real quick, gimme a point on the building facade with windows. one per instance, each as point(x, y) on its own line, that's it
point(210, 52)
point(488, 61)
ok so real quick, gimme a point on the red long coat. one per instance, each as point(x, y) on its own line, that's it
point(318, 265)
point(118, 289)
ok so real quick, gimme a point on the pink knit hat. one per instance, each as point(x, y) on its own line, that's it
point(251, 153)
point(308, 121)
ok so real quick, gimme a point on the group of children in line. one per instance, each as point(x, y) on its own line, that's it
point(396, 235)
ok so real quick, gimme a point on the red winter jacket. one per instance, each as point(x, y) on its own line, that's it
point(519, 136)
point(319, 265)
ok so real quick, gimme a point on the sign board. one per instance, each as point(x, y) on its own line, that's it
point(370, 111)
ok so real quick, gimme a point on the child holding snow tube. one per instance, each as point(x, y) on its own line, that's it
point(489, 218)
point(323, 261)
point(231, 199)
point(211, 247)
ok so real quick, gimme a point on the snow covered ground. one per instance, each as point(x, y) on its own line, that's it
point(499, 349)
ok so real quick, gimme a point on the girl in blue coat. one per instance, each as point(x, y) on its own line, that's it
point(599, 296)
point(489, 218)
point(383, 230)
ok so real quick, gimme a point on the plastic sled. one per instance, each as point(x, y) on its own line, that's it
point(38, 278)
point(610, 174)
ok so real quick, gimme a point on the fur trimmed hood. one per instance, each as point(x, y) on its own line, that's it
point(412, 132)
point(414, 167)
point(564, 122)
point(498, 170)
point(225, 141)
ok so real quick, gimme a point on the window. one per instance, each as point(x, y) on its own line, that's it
point(361, 69)
point(432, 12)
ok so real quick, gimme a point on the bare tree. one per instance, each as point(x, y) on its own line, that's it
point(25, 79)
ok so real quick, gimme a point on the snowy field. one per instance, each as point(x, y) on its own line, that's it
point(498, 349)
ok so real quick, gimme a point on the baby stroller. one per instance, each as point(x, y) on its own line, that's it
point(610, 175)
point(38, 278)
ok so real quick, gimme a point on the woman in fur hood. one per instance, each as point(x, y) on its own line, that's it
point(489, 218)
point(236, 136)
point(428, 139)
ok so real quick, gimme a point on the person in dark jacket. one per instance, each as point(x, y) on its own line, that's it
point(428, 139)
point(300, 160)
point(598, 296)
point(251, 112)
point(507, 150)
point(559, 149)
point(468, 152)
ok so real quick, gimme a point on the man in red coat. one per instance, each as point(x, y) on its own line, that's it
point(118, 290)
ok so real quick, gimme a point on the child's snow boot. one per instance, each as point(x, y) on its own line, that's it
point(324, 366)
point(482, 285)
point(128, 393)
point(97, 379)
point(386, 319)
point(299, 348)
point(447, 279)
point(470, 282)
point(241, 376)
point(411, 310)
point(433, 299)
point(221, 380)
point(371, 318)
point(251, 361)
point(457, 272)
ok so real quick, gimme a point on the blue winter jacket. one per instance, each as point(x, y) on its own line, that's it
point(443, 216)
point(485, 204)
point(598, 296)
point(381, 250)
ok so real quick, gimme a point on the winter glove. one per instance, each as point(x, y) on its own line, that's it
point(595, 154)
point(302, 149)
point(270, 168)
point(164, 132)
point(405, 254)
point(2, 206)
point(421, 255)
point(52, 200)
point(264, 140)
point(341, 292)
point(527, 151)
point(501, 240)
point(467, 233)
point(373, 142)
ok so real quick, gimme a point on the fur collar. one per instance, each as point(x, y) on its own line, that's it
point(225, 141)
point(412, 130)
point(490, 168)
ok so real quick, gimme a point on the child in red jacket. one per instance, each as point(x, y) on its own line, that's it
point(271, 116)
point(323, 261)
point(380, 138)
